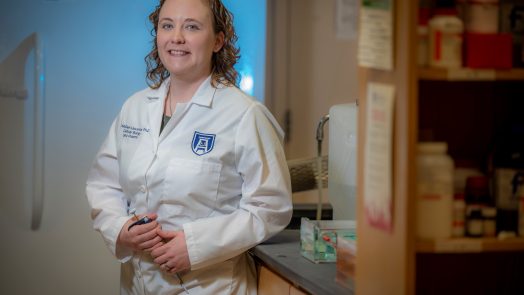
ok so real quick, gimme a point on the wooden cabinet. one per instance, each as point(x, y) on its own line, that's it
point(395, 262)
point(269, 283)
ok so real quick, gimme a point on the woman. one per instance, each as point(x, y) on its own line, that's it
point(201, 159)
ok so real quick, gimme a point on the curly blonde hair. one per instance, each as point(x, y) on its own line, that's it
point(222, 62)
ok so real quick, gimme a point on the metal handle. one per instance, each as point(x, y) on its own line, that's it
point(8, 92)
point(38, 148)
point(12, 84)
point(320, 138)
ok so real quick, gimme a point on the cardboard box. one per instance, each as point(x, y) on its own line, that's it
point(493, 51)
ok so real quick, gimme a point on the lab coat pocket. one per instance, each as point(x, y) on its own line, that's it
point(191, 187)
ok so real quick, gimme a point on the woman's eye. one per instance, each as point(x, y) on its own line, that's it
point(166, 26)
point(191, 27)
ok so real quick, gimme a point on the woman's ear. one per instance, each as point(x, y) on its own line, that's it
point(219, 42)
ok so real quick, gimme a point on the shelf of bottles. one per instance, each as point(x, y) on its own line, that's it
point(470, 245)
point(467, 74)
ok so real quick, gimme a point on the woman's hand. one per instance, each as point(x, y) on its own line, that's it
point(172, 257)
point(142, 237)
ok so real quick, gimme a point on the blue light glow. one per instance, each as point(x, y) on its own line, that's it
point(246, 84)
point(246, 80)
point(251, 30)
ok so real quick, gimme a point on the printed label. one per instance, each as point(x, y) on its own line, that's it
point(132, 132)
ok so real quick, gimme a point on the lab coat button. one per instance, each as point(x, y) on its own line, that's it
point(143, 189)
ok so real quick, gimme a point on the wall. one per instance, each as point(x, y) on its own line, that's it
point(312, 69)
point(251, 29)
point(93, 61)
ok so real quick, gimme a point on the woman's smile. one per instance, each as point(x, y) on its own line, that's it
point(177, 52)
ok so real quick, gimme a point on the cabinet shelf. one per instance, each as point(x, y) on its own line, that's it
point(467, 74)
point(470, 245)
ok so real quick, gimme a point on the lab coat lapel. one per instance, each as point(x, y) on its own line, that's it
point(171, 124)
point(155, 106)
point(205, 94)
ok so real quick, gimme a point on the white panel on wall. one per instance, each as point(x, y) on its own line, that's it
point(94, 54)
point(94, 60)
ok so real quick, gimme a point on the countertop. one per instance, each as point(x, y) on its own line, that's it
point(282, 255)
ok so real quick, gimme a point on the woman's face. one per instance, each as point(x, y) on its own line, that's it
point(186, 39)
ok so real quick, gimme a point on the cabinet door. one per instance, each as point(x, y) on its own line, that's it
point(295, 291)
point(270, 283)
point(386, 259)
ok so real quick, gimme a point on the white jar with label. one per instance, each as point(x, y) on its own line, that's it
point(434, 191)
point(445, 39)
point(482, 16)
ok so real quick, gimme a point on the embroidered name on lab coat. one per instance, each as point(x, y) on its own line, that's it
point(132, 132)
point(202, 143)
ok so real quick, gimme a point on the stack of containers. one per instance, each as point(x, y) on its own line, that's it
point(445, 36)
point(480, 212)
point(435, 170)
point(459, 199)
point(484, 46)
point(465, 33)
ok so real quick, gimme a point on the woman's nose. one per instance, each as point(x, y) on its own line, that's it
point(178, 36)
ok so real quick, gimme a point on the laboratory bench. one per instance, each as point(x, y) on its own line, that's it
point(280, 258)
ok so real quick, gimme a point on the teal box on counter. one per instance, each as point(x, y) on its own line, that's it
point(318, 238)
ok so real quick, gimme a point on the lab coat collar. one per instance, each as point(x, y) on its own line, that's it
point(154, 95)
point(156, 99)
point(203, 96)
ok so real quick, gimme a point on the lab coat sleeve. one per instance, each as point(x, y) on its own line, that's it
point(105, 195)
point(265, 207)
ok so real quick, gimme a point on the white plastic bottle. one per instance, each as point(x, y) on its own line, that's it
point(445, 39)
point(434, 191)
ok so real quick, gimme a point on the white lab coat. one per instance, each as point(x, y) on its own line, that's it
point(217, 171)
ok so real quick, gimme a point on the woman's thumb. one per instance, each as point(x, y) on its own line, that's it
point(152, 216)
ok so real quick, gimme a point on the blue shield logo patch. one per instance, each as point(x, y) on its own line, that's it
point(202, 143)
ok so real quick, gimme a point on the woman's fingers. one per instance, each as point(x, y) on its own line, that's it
point(151, 249)
point(168, 235)
point(142, 236)
point(147, 239)
point(160, 255)
point(144, 228)
point(150, 244)
point(172, 257)
point(148, 235)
